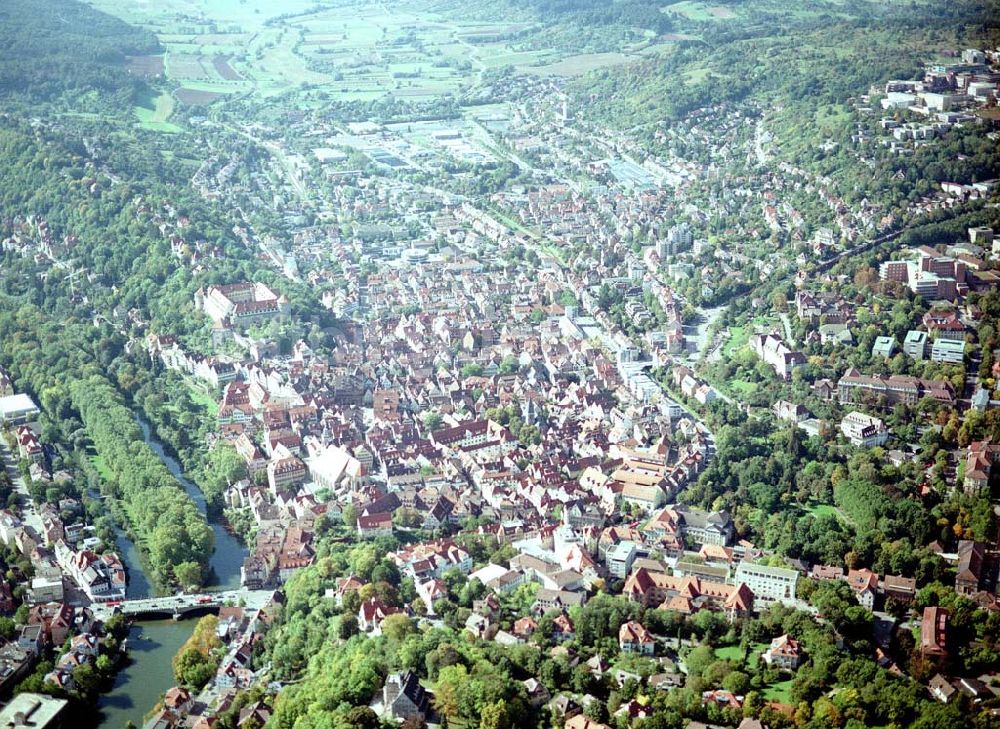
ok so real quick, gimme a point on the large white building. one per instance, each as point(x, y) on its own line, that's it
point(17, 409)
point(768, 583)
point(771, 349)
point(948, 350)
point(334, 468)
point(241, 304)
point(864, 430)
point(620, 558)
point(101, 577)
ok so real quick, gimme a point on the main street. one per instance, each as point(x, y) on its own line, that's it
point(180, 604)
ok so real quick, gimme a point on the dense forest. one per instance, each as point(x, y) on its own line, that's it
point(67, 50)
point(62, 365)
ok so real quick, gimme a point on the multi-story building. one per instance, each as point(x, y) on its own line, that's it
point(688, 595)
point(864, 584)
point(432, 559)
point(944, 325)
point(895, 389)
point(934, 632)
point(101, 577)
point(784, 653)
point(979, 467)
point(948, 351)
point(777, 354)
point(285, 473)
point(915, 344)
point(927, 273)
point(864, 430)
point(768, 583)
point(969, 572)
point(620, 558)
point(704, 527)
point(634, 638)
point(241, 304)
point(404, 698)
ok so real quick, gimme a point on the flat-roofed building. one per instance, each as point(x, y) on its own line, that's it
point(948, 351)
point(37, 711)
point(18, 409)
point(884, 347)
point(915, 344)
point(768, 583)
point(620, 558)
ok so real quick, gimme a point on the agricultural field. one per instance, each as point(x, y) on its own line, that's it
point(352, 52)
point(195, 97)
point(146, 66)
point(154, 113)
point(579, 65)
point(699, 11)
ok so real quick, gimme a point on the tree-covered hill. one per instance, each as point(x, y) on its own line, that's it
point(807, 58)
point(68, 53)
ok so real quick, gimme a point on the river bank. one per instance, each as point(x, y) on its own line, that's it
point(229, 553)
point(148, 673)
point(153, 643)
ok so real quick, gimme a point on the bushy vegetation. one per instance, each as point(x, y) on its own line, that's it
point(197, 660)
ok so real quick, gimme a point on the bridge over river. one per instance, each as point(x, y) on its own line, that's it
point(177, 606)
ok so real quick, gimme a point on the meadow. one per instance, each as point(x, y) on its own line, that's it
point(352, 52)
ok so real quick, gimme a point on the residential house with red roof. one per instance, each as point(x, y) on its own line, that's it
point(634, 638)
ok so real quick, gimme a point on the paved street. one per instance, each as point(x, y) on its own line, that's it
point(251, 599)
point(29, 513)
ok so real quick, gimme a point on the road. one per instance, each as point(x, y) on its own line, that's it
point(700, 340)
point(278, 153)
point(789, 339)
point(29, 512)
point(252, 599)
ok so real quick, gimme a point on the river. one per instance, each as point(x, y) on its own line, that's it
point(140, 685)
point(153, 643)
point(229, 552)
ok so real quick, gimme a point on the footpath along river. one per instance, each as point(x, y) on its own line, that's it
point(153, 643)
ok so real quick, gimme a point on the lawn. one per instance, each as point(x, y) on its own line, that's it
point(153, 114)
point(781, 692)
point(102, 468)
point(742, 388)
point(735, 653)
point(738, 338)
point(201, 397)
point(819, 510)
point(729, 653)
